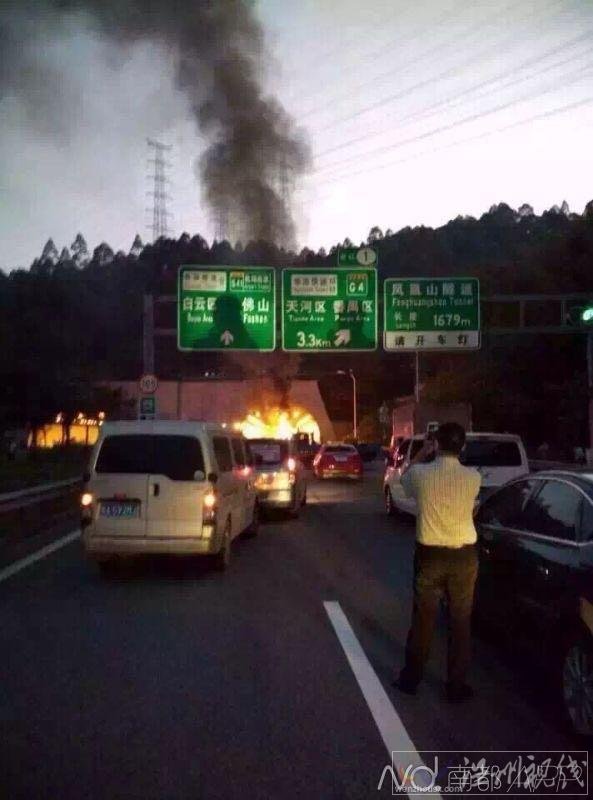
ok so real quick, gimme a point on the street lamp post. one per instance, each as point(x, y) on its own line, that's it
point(354, 409)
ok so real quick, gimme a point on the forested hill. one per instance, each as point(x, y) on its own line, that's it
point(76, 316)
point(514, 250)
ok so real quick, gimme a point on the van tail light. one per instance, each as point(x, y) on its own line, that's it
point(86, 509)
point(209, 508)
point(210, 500)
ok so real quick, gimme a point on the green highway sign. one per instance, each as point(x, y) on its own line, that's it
point(357, 257)
point(226, 308)
point(431, 314)
point(329, 309)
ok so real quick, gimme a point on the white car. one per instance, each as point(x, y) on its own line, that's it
point(184, 488)
point(498, 457)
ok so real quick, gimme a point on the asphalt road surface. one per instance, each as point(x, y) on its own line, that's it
point(272, 680)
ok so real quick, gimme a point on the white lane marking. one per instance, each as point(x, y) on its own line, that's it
point(387, 720)
point(12, 569)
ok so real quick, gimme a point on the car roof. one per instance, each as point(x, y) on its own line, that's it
point(270, 439)
point(583, 480)
point(337, 444)
point(476, 435)
point(162, 426)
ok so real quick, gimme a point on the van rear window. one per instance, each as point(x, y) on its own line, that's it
point(490, 453)
point(272, 451)
point(176, 457)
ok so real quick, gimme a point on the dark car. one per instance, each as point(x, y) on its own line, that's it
point(306, 448)
point(536, 578)
point(368, 451)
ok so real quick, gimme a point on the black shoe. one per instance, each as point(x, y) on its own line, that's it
point(459, 694)
point(407, 687)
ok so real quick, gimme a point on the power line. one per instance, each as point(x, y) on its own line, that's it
point(426, 82)
point(355, 40)
point(571, 78)
point(431, 109)
point(444, 18)
point(535, 118)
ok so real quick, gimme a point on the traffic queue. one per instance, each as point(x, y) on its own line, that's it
point(191, 488)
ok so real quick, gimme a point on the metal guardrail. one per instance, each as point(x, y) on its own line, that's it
point(13, 501)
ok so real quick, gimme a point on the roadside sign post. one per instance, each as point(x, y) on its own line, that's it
point(147, 407)
point(148, 384)
point(332, 310)
point(226, 308)
point(431, 314)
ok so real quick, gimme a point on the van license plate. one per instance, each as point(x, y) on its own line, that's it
point(117, 509)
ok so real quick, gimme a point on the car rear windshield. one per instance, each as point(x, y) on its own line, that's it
point(177, 457)
point(272, 451)
point(340, 448)
point(491, 453)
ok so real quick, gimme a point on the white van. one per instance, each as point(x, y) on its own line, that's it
point(167, 487)
point(498, 457)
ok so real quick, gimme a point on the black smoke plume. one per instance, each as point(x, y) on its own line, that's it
point(254, 154)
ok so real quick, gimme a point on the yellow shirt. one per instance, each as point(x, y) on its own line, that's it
point(445, 492)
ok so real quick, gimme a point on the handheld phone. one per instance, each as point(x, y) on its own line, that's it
point(431, 436)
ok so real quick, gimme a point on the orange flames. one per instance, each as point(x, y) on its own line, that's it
point(278, 423)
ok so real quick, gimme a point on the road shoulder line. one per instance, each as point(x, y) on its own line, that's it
point(387, 720)
point(23, 563)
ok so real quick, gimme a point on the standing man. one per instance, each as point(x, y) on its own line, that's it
point(445, 561)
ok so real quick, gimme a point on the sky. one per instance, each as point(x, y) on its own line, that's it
point(416, 112)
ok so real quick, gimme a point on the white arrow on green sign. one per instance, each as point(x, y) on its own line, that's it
point(329, 310)
point(226, 308)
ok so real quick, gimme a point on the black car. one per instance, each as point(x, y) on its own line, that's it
point(536, 578)
point(368, 451)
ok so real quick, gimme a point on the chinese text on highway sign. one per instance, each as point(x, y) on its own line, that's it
point(226, 308)
point(432, 314)
point(334, 309)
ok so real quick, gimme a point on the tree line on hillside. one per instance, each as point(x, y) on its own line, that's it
point(75, 318)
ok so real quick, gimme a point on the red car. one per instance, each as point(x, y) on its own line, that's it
point(338, 461)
